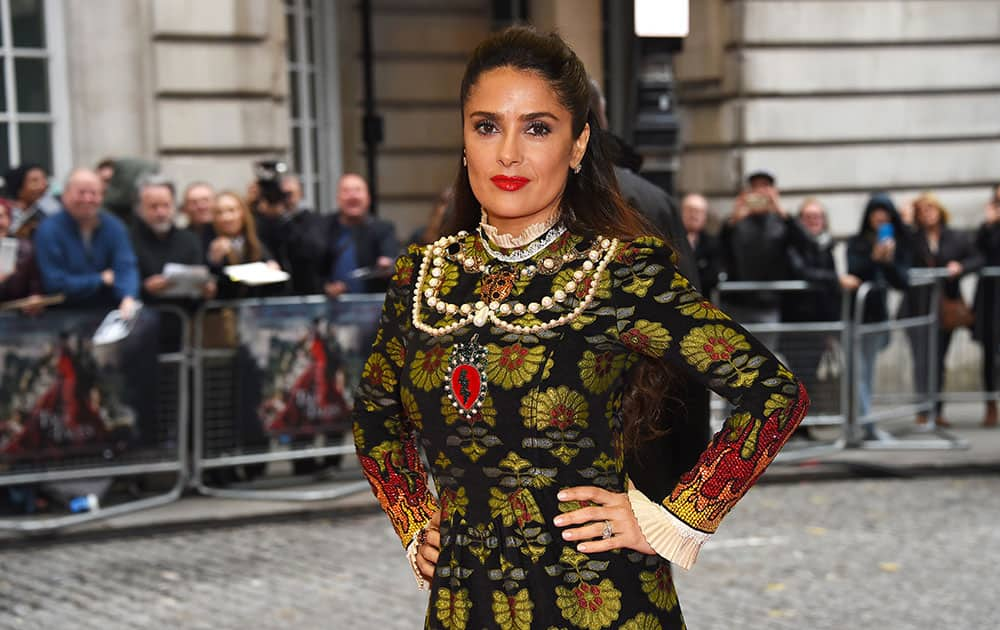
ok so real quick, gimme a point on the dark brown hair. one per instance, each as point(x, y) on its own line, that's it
point(591, 203)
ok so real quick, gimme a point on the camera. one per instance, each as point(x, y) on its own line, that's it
point(269, 174)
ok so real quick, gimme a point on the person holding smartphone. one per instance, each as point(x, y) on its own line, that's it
point(879, 253)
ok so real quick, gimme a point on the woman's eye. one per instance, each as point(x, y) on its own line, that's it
point(486, 127)
point(538, 128)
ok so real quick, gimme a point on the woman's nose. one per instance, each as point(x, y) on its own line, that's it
point(510, 150)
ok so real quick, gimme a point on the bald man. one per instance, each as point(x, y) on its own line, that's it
point(364, 247)
point(705, 247)
point(84, 252)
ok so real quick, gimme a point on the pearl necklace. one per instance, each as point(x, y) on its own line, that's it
point(480, 313)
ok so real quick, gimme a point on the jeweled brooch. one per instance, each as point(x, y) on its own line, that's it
point(466, 386)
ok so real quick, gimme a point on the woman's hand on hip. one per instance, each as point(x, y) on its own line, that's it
point(612, 508)
point(427, 553)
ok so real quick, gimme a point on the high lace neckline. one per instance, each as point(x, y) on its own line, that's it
point(517, 241)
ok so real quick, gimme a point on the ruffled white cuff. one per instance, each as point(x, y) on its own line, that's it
point(669, 536)
point(411, 555)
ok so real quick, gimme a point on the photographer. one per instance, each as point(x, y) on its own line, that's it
point(293, 233)
point(754, 245)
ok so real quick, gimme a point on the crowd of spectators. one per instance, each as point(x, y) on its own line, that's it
point(89, 248)
point(761, 241)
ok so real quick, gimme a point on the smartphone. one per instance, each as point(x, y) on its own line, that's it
point(886, 232)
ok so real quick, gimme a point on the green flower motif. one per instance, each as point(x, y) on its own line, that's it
point(702, 309)
point(512, 366)
point(513, 612)
point(659, 587)
point(379, 373)
point(453, 608)
point(598, 371)
point(556, 407)
point(642, 621)
point(646, 337)
point(429, 368)
point(590, 606)
point(396, 351)
point(449, 279)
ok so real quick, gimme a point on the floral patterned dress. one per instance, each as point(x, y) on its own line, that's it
point(547, 418)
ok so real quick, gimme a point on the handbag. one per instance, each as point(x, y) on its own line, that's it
point(830, 362)
point(955, 313)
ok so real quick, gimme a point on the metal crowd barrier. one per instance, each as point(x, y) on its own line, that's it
point(964, 378)
point(273, 384)
point(74, 414)
point(815, 352)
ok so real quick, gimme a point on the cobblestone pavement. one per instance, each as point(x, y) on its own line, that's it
point(886, 554)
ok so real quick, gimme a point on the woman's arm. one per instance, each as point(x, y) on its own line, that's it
point(385, 437)
point(660, 316)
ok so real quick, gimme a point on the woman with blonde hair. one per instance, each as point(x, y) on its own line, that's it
point(236, 242)
point(936, 245)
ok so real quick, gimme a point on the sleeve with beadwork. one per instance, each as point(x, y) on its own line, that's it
point(661, 316)
point(384, 436)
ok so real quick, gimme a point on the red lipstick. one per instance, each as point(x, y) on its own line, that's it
point(508, 183)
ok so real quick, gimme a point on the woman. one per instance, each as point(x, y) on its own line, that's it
point(810, 254)
point(987, 304)
point(525, 352)
point(236, 242)
point(25, 186)
point(937, 245)
point(880, 254)
point(24, 281)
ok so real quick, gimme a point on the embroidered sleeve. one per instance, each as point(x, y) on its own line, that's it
point(660, 315)
point(385, 438)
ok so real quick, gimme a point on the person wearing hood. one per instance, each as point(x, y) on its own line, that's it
point(936, 245)
point(879, 254)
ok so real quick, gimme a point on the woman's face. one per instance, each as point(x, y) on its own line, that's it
point(228, 216)
point(928, 215)
point(878, 218)
point(813, 219)
point(519, 145)
point(34, 186)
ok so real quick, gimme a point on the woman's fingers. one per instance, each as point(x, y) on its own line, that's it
point(426, 568)
point(585, 532)
point(433, 539)
point(586, 493)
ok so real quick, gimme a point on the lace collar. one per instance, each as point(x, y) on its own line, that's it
point(511, 241)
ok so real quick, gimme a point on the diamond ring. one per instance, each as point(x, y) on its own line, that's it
point(608, 531)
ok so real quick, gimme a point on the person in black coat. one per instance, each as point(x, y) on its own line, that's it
point(987, 304)
point(883, 261)
point(704, 246)
point(936, 245)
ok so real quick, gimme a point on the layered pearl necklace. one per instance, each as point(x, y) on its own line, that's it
point(431, 275)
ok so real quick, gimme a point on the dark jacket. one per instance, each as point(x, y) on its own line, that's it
point(298, 243)
point(153, 252)
point(74, 269)
point(708, 260)
point(883, 275)
point(25, 280)
point(755, 249)
point(811, 259)
point(229, 290)
point(656, 205)
point(952, 246)
point(373, 238)
point(987, 303)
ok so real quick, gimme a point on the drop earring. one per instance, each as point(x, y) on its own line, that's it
point(465, 162)
point(578, 168)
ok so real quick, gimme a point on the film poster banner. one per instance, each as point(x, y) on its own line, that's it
point(63, 397)
point(310, 357)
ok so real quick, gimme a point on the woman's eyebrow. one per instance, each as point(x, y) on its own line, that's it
point(528, 116)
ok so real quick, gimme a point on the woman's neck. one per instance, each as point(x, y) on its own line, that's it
point(518, 231)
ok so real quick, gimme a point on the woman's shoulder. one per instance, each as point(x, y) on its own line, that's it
point(645, 248)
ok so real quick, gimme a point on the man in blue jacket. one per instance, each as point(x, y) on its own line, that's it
point(84, 252)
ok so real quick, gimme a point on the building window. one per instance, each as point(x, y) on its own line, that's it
point(304, 60)
point(26, 118)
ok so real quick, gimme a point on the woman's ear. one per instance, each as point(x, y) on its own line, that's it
point(580, 146)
